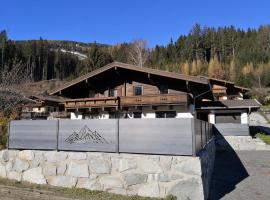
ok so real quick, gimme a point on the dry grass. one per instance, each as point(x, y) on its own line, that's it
point(82, 194)
point(263, 137)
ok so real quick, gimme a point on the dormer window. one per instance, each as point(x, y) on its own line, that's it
point(113, 93)
point(138, 90)
point(91, 93)
point(163, 89)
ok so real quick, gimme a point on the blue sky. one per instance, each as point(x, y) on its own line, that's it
point(116, 21)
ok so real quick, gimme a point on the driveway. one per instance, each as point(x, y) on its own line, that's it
point(242, 175)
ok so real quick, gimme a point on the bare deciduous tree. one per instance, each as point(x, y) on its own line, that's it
point(138, 53)
point(12, 84)
point(258, 72)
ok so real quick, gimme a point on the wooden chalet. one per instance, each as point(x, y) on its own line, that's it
point(129, 91)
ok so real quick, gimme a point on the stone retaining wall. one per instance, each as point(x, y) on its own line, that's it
point(239, 143)
point(129, 174)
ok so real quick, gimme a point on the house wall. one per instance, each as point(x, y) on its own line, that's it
point(127, 89)
point(244, 118)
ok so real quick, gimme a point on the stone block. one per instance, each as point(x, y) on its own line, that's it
point(20, 165)
point(133, 178)
point(53, 156)
point(62, 181)
point(110, 182)
point(149, 190)
point(99, 166)
point(4, 155)
point(77, 170)
point(49, 170)
point(120, 191)
point(77, 156)
point(150, 166)
point(61, 168)
point(191, 166)
point(189, 189)
point(88, 184)
point(127, 164)
point(166, 162)
point(26, 155)
point(3, 172)
point(38, 160)
point(34, 175)
point(158, 178)
point(14, 176)
point(9, 165)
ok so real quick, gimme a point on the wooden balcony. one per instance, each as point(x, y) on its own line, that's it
point(161, 99)
point(92, 102)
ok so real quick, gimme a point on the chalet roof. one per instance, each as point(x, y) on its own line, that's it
point(245, 103)
point(150, 71)
point(225, 82)
point(52, 98)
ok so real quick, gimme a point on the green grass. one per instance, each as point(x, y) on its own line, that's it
point(82, 194)
point(263, 137)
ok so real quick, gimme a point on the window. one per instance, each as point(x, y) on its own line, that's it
point(163, 89)
point(160, 115)
point(138, 90)
point(112, 93)
point(91, 93)
point(166, 114)
point(137, 115)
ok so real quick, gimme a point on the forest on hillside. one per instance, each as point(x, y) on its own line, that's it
point(242, 56)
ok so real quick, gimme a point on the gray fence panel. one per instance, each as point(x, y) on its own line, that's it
point(156, 136)
point(88, 135)
point(33, 134)
point(232, 129)
point(198, 136)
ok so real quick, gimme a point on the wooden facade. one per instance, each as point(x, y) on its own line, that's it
point(124, 87)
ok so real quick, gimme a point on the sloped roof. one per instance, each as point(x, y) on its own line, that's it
point(195, 79)
point(245, 103)
point(52, 98)
point(225, 82)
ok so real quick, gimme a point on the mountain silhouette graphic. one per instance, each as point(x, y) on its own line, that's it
point(86, 135)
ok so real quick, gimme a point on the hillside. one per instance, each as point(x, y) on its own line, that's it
point(230, 53)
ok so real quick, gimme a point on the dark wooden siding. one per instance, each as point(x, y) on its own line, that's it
point(228, 118)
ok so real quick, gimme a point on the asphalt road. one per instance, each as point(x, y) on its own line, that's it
point(242, 175)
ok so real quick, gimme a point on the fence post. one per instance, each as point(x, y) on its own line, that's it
point(117, 132)
point(193, 137)
point(57, 134)
point(206, 134)
point(201, 134)
point(8, 133)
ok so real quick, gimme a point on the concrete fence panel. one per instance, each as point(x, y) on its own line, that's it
point(172, 136)
point(33, 134)
point(88, 135)
point(156, 136)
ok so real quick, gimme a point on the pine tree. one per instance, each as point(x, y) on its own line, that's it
point(232, 72)
point(185, 68)
point(214, 69)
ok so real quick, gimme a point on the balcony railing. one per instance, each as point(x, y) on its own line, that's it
point(160, 99)
point(154, 99)
point(92, 102)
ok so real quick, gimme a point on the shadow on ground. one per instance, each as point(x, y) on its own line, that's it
point(228, 170)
